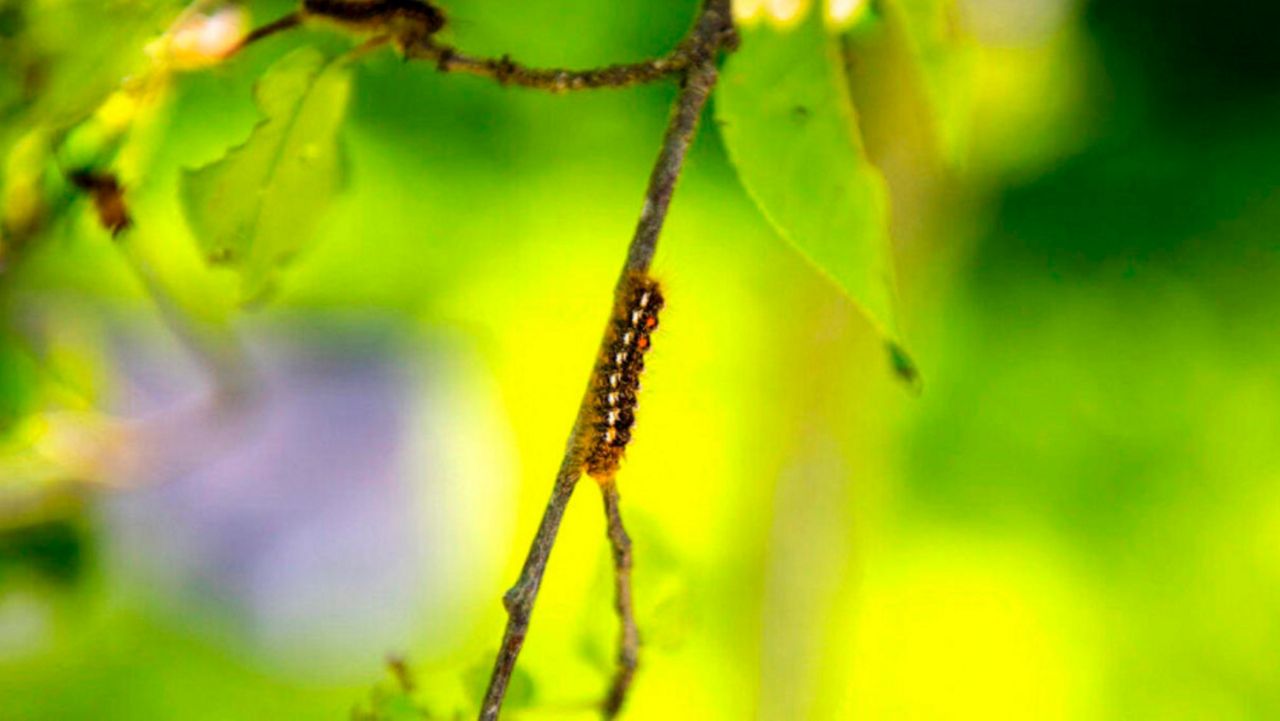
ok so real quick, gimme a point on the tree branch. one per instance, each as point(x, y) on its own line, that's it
point(698, 82)
point(712, 32)
point(288, 22)
point(629, 635)
point(418, 43)
point(556, 80)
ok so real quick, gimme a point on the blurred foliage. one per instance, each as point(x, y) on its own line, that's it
point(790, 129)
point(1076, 520)
point(260, 205)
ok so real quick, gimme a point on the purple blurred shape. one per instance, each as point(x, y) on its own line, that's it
point(296, 522)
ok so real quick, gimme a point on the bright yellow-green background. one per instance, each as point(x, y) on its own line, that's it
point(1078, 518)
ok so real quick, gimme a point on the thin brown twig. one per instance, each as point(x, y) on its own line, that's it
point(556, 80)
point(422, 45)
point(629, 634)
point(712, 32)
point(288, 22)
point(520, 598)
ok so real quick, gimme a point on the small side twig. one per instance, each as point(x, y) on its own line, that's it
point(629, 634)
point(556, 80)
point(417, 41)
point(712, 32)
point(288, 22)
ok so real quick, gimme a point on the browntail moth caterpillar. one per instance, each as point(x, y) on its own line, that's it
point(617, 375)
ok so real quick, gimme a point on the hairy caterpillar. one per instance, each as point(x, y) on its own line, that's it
point(408, 21)
point(617, 376)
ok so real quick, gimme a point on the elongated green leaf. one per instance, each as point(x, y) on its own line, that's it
point(790, 128)
point(261, 203)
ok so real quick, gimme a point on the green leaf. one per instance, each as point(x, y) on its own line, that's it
point(259, 205)
point(942, 60)
point(787, 120)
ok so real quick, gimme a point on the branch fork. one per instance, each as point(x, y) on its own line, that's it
point(693, 62)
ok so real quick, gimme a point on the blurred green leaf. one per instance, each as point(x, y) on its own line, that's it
point(261, 204)
point(18, 381)
point(791, 131)
point(74, 53)
point(944, 62)
point(392, 702)
point(55, 549)
point(390, 706)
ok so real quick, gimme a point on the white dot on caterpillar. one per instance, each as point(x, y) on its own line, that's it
point(626, 338)
point(635, 317)
point(620, 357)
point(613, 380)
point(609, 435)
point(612, 418)
point(644, 299)
point(612, 399)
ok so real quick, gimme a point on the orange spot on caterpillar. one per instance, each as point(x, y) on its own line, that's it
point(617, 374)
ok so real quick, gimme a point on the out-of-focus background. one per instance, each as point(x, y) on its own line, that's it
point(1077, 518)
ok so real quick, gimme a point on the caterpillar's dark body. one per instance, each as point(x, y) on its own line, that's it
point(422, 17)
point(617, 376)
